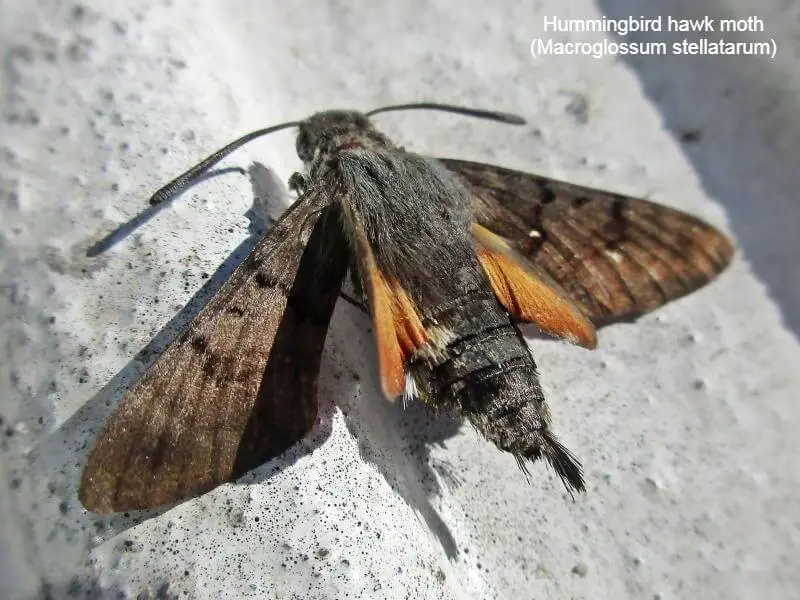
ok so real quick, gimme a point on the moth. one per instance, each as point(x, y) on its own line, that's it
point(451, 255)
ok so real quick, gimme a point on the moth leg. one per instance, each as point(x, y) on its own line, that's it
point(359, 305)
point(355, 281)
point(298, 183)
point(357, 299)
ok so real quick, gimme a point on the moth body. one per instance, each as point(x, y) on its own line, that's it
point(415, 220)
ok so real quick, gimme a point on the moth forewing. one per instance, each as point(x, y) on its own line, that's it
point(616, 256)
point(238, 385)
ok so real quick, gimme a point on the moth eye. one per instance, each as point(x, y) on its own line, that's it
point(305, 145)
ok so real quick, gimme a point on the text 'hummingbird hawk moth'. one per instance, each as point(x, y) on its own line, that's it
point(450, 255)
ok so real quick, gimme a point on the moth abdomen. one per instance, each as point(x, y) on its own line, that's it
point(507, 406)
point(491, 376)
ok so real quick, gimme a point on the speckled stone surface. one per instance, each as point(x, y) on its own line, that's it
point(686, 421)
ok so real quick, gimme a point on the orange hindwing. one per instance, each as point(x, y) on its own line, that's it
point(528, 294)
point(399, 333)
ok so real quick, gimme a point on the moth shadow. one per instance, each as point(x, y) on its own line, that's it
point(399, 439)
point(127, 228)
point(56, 472)
point(93, 587)
point(736, 118)
point(396, 439)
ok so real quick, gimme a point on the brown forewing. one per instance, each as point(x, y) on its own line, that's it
point(238, 386)
point(615, 255)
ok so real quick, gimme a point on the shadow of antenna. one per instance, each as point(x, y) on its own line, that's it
point(125, 229)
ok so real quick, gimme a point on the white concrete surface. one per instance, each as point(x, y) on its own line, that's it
point(686, 421)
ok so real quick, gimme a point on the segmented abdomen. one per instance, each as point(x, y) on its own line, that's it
point(488, 374)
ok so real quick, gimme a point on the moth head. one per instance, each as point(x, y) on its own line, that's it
point(322, 132)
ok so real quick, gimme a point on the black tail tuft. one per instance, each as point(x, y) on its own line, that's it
point(565, 463)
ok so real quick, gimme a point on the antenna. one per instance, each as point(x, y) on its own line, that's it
point(461, 110)
point(184, 180)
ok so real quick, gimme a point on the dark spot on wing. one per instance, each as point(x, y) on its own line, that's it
point(199, 343)
point(159, 452)
point(253, 263)
point(263, 280)
point(548, 195)
point(619, 224)
point(210, 364)
point(237, 311)
point(617, 209)
point(579, 201)
point(245, 374)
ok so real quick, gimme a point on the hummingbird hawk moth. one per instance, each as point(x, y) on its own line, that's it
point(451, 255)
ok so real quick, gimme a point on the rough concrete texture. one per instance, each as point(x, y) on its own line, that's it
point(686, 420)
